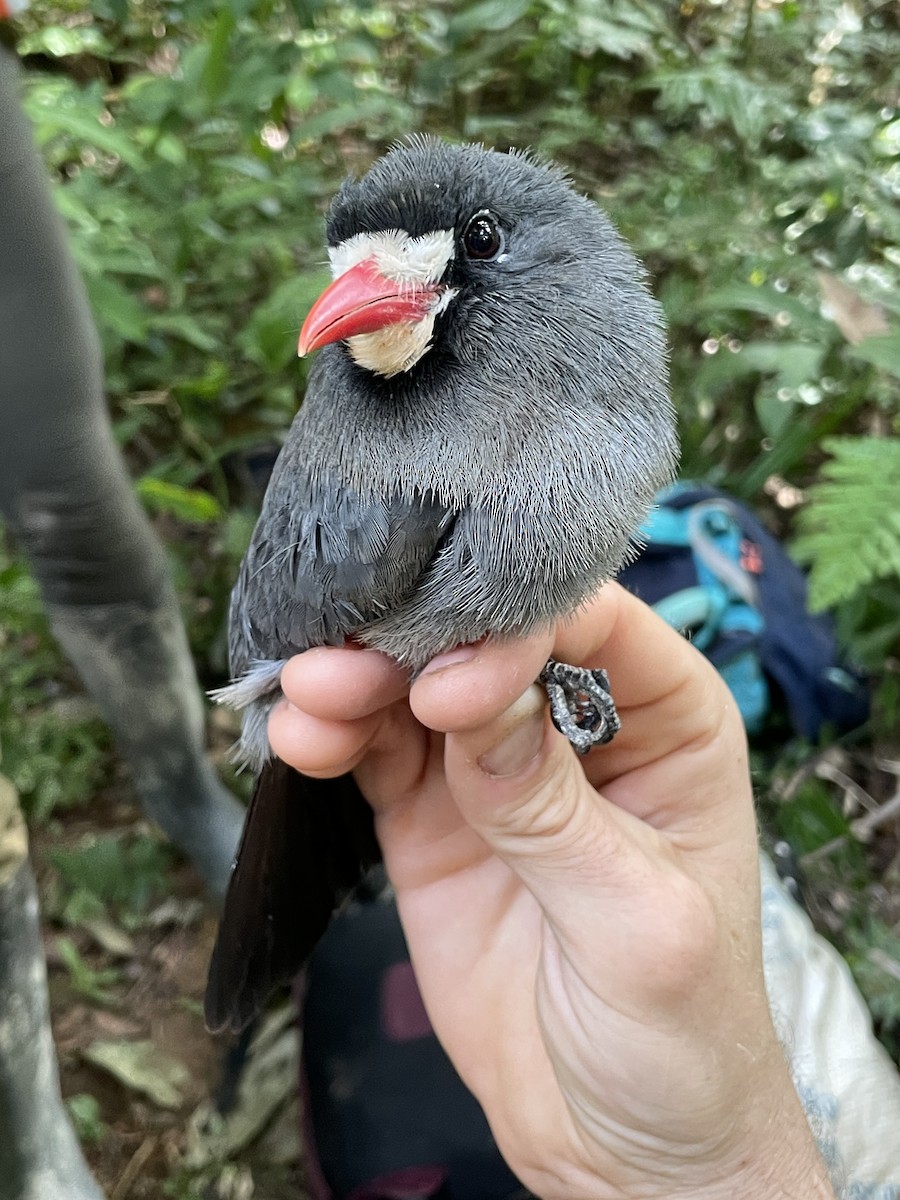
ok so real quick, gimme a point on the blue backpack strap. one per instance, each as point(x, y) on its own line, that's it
point(694, 537)
point(750, 612)
point(798, 649)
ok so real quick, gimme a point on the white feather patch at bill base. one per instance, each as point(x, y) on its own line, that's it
point(398, 256)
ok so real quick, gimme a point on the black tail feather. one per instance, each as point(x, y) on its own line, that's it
point(306, 844)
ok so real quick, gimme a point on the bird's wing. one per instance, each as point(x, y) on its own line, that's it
point(324, 561)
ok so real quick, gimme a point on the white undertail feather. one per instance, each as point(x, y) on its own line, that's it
point(254, 694)
point(262, 677)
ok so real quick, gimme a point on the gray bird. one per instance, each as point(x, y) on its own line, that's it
point(483, 431)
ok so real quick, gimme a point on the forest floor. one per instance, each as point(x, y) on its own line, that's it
point(138, 1069)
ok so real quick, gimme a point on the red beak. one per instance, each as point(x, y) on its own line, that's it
point(361, 301)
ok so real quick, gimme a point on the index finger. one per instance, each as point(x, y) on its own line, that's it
point(667, 694)
point(645, 658)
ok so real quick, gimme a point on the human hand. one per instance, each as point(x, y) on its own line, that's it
point(585, 932)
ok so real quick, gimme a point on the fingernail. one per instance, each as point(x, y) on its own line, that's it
point(451, 658)
point(521, 739)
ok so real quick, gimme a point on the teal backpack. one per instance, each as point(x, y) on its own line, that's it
point(712, 570)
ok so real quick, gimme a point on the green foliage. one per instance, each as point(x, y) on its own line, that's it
point(743, 149)
point(119, 874)
point(882, 352)
point(84, 1109)
point(851, 530)
point(874, 958)
point(95, 984)
point(811, 820)
point(191, 505)
point(54, 751)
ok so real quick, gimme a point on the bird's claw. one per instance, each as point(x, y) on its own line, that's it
point(581, 705)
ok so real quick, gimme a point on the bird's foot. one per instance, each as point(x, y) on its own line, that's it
point(581, 705)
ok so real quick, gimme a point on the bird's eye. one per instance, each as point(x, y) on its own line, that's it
point(483, 238)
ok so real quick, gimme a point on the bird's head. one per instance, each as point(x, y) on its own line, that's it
point(455, 252)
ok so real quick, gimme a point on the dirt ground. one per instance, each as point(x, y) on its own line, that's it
point(141, 1142)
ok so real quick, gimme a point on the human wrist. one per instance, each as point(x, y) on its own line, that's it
point(802, 1178)
point(780, 1162)
point(769, 1153)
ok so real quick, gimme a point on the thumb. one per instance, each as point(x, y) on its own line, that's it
point(520, 785)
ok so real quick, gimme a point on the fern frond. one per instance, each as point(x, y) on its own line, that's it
point(850, 531)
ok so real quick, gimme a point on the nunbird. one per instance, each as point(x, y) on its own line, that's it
point(484, 429)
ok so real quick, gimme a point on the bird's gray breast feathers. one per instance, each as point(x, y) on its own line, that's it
point(412, 575)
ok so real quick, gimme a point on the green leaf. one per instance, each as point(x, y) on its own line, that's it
point(788, 366)
point(850, 529)
point(874, 957)
point(490, 16)
point(792, 362)
point(812, 819)
point(56, 109)
point(121, 873)
point(622, 31)
point(187, 504)
point(95, 984)
point(133, 259)
point(717, 90)
point(271, 333)
point(883, 352)
point(214, 76)
point(207, 385)
point(185, 327)
point(116, 308)
point(246, 164)
point(61, 41)
point(767, 301)
point(352, 114)
point(87, 1118)
point(142, 1067)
